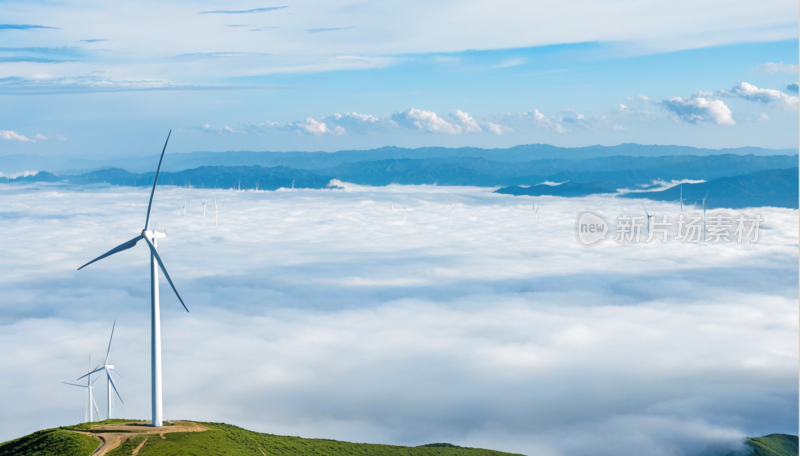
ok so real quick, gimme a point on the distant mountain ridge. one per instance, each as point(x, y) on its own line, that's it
point(319, 160)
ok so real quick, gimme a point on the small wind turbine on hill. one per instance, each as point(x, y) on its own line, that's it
point(109, 381)
point(681, 199)
point(88, 415)
point(150, 237)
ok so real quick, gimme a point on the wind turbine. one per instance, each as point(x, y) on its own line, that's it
point(704, 217)
point(204, 208)
point(109, 381)
point(681, 200)
point(257, 185)
point(292, 184)
point(88, 416)
point(648, 218)
point(536, 211)
point(150, 238)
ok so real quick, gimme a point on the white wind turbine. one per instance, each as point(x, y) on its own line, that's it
point(216, 212)
point(88, 416)
point(109, 381)
point(155, 327)
point(536, 211)
point(649, 217)
point(704, 217)
point(204, 209)
point(681, 199)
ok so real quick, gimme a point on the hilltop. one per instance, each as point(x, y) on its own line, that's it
point(125, 437)
point(119, 437)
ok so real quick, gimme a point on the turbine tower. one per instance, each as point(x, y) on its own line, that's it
point(204, 209)
point(150, 238)
point(648, 218)
point(704, 217)
point(536, 211)
point(681, 199)
point(87, 413)
point(109, 381)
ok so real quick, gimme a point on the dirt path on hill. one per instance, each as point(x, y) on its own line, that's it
point(119, 433)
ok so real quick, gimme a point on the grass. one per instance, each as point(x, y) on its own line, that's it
point(224, 439)
point(773, 445)
point(228, 440)
point(51, 442)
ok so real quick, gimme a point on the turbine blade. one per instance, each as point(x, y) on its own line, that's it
point(82, 386)
point(164, 270)
point(95, 380)
point(108, 372)
point(155, 181)
point(108, 352)
point(119, 248)
point(90, 373)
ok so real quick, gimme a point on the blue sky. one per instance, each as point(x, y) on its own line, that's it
point(87, 78)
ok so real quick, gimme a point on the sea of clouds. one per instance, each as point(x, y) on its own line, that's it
point(317, 313)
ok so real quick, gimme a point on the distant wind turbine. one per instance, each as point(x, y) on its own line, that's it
point(681, 199)
point(647, 214)
point(88, 414)
point(704, 217)
point(292, 184)
point(257, 185)
point(109, 381)
point(204, 208)
point(536, 211)
point(150, 238)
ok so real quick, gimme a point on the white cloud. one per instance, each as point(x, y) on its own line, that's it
point(329, 300)
point(698, 109)
point(468, 123)
point(354, 122)
point(14, 136)
point(219, 130)
point(309, 126)
point(61, 138)
point(427, 121)
point(497, 128)
point(776, 68)
point(40, 137)
point(750, 92)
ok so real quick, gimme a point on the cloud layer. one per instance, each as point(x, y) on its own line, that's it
point(484, 329)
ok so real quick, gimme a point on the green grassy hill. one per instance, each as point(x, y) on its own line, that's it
point(228, 440)
point(51, 442)
point(773, 445)
point(220, 439)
